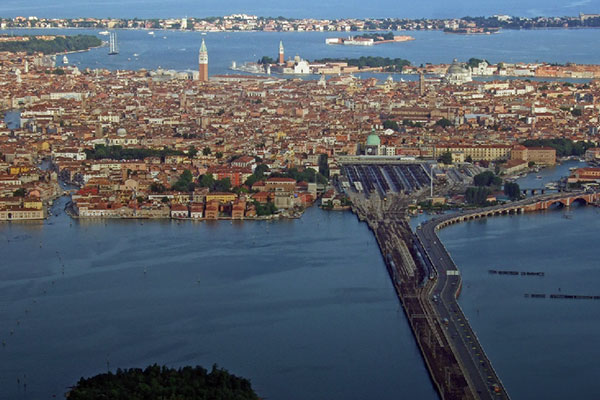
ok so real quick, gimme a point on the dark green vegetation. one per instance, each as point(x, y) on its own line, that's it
point(391, 124)
point(102, 152)
point(324, 165)
point(267, 60)
point(215, 185)
point(474, 62)
point(388, 64)
point(21, 192)
point(477, 195)
point(308, 175)
point(162, 383)
point(265, 209)
point(564, 147)
point(58, 45)
point(446, 158)
point(487, 178)
point(486, 183)
point(512, 190)
point(377, 37)
point(444, 122)
point(257, 175)
point(185, 183)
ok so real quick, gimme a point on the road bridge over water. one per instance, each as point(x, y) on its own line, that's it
point(538, 203)
point(447, 284)
point(428, 284)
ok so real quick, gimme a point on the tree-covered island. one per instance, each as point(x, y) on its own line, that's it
point(155, 382)
point(48, 44)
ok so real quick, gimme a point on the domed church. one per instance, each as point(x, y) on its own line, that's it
point(458, 73)
point(372, 145)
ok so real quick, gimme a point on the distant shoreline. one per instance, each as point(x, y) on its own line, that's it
point(573, 28)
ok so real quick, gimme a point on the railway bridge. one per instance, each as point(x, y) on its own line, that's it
point(539, 203)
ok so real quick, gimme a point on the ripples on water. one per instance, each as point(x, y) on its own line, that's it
point(541, 348)
point(305, 309)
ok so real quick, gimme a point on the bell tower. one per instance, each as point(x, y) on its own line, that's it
point(203, 63)
point(281, 53)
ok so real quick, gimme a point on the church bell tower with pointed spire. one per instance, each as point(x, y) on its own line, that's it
point(281, 53)
point(203, 63)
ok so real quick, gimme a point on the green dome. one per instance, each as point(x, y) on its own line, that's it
point(373, 140)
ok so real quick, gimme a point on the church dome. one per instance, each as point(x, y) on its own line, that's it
point(373, 140)
point(458, 73)
point(457, 68)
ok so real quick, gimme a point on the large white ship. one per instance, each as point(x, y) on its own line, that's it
point(113, 47)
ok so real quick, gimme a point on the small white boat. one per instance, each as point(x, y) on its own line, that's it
point(151, 33)
point(65, 60)
point(104, 33)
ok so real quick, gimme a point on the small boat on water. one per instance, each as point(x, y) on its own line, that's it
point(65, 60)
point(538, 177)
point(151, 33)
point(104, 33)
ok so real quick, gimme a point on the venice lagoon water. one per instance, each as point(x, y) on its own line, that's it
point(541, 348)
point(304, 308)
point(179, 50)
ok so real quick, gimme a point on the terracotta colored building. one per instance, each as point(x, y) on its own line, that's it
point(539, 155)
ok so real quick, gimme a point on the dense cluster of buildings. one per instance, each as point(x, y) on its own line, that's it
point(245, 22)
point(525, 70)
point(25, 189)
point(226, 126)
